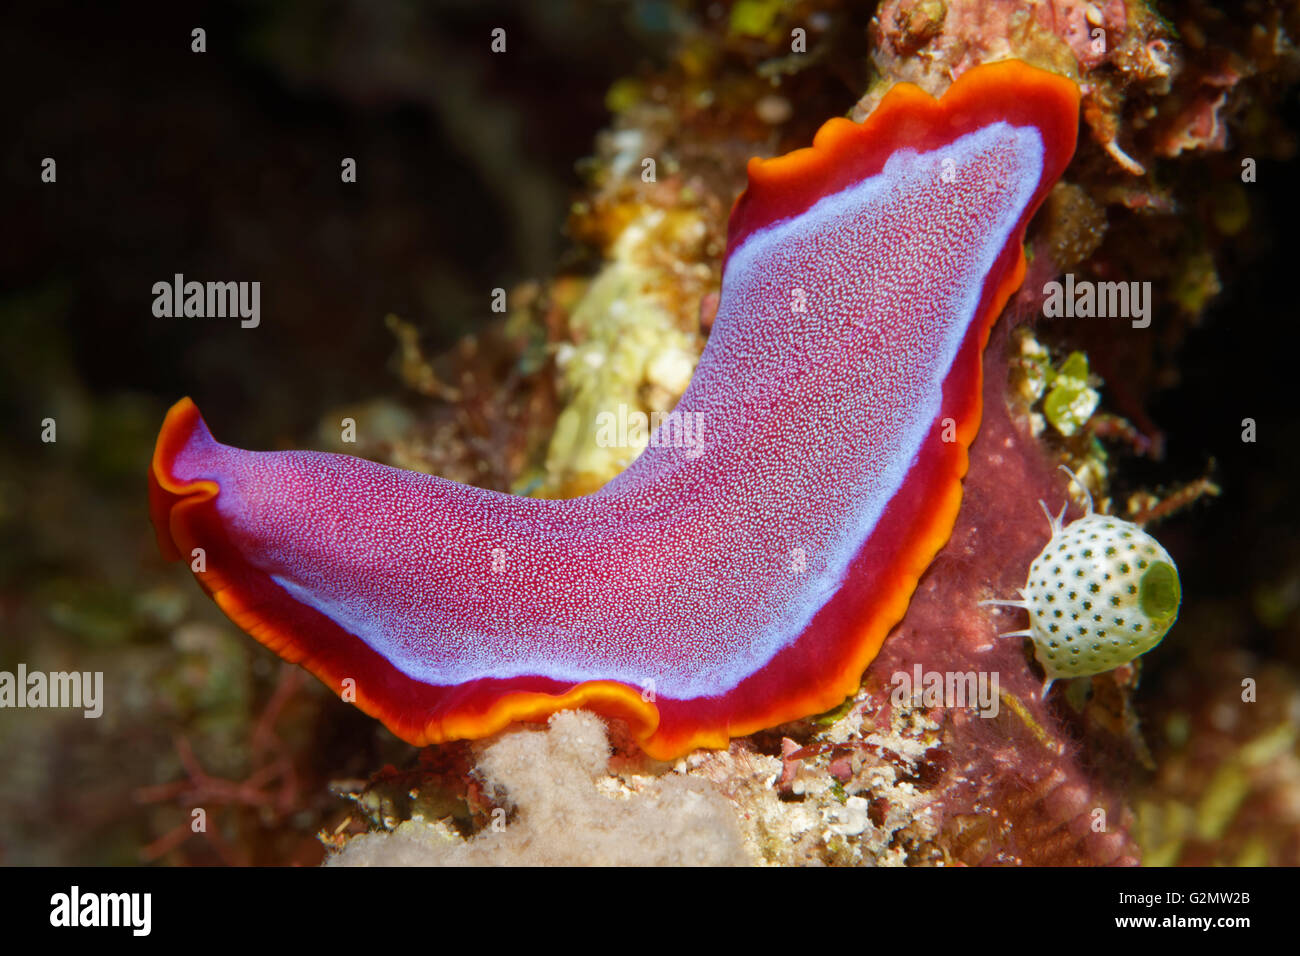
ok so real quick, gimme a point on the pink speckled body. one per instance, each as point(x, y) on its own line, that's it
point(688, 571)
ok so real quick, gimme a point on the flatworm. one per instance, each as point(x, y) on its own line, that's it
point(698, 596)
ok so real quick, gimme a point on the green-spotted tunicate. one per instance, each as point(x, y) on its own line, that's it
point(1102, 593)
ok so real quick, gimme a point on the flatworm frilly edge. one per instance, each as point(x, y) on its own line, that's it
point(697, 596)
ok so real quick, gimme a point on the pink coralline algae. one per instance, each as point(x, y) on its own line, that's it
point(963, 33)
point(1025, 762)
